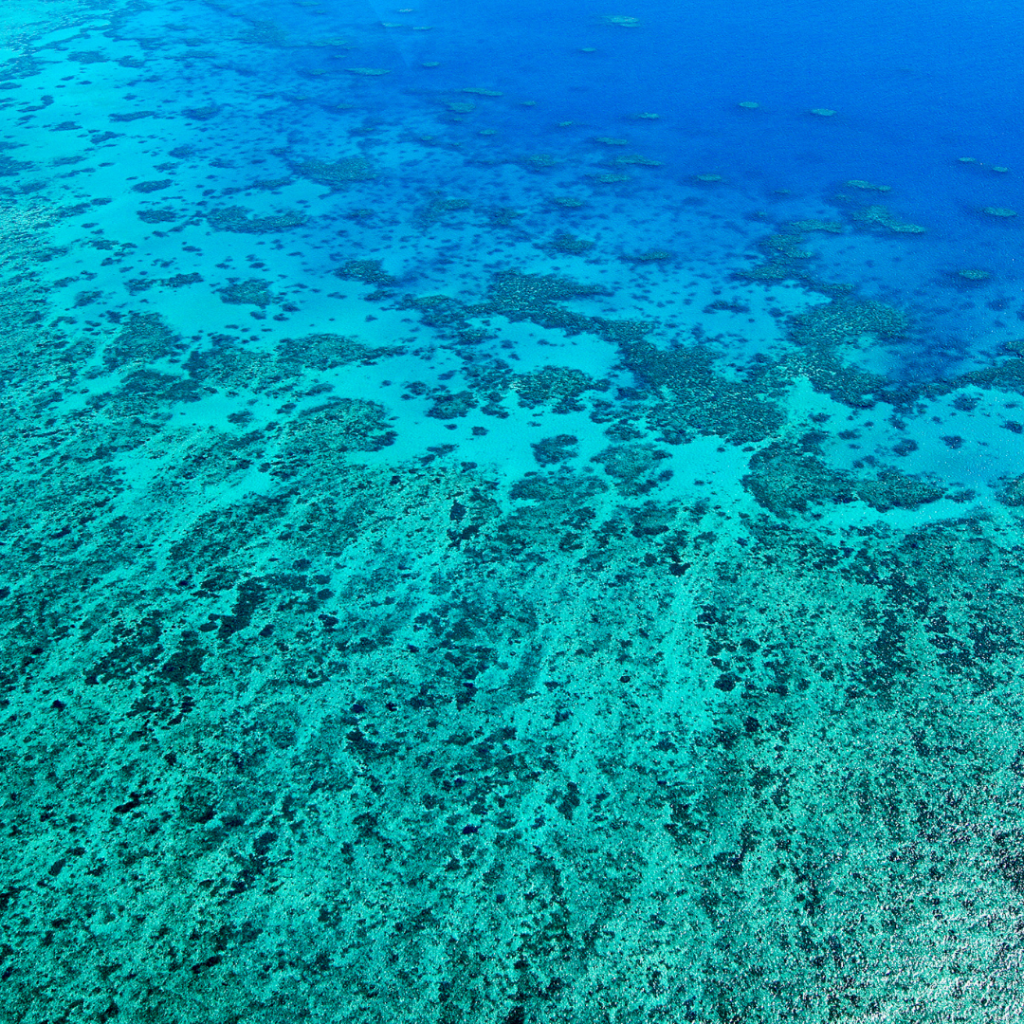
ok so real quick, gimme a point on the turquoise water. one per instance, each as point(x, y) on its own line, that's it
point(512, 514)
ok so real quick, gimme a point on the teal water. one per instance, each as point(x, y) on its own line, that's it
point(511, 514)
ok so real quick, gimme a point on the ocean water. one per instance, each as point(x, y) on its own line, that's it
point(511, 513)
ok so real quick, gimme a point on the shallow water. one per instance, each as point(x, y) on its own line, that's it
point(511, 514)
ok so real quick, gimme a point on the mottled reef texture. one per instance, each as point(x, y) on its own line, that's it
point(293, 728)
point(385, 744)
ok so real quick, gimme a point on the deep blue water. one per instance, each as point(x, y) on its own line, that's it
point(916, 89)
